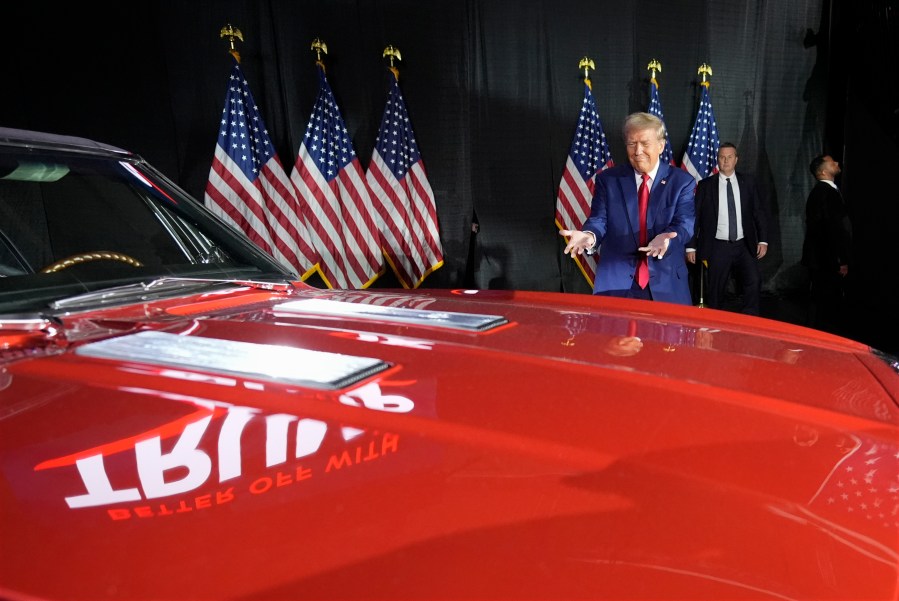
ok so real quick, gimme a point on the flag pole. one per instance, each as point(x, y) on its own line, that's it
point(655, 108)
point(335, 198)
point(235, 188)
point(704, 70)
point(404, 205)
point(701, 283)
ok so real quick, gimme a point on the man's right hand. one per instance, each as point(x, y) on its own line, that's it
point(578, 242)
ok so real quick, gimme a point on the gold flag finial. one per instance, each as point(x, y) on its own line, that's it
point(586, 64)
point(704, 70)
point(232, 33)
point(654, 66)
point(319, 47)
point(393, 53)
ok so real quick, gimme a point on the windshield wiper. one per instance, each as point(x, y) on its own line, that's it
point(141, 291)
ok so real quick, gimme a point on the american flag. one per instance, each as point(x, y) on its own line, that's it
point(701, 158)
point(248, 186)
point(655, 107)
point(589, 154)
point(335, 198)
point(403, 197)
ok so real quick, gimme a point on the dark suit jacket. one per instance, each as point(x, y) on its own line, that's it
point(614, 220)
point(828, 231)
point(753, 209)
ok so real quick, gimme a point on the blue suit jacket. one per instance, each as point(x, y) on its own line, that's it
point(615, 221)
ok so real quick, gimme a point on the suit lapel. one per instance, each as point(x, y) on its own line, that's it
point(627, 184)
point(716, 189)
point(656, 195)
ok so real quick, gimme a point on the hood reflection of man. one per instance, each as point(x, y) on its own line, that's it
point(627, 345)
point(671, 336)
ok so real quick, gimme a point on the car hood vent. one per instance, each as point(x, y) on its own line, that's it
point(285, 364)
point(473, 322)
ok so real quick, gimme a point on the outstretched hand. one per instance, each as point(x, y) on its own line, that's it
point(658, 246)
point(578, 242)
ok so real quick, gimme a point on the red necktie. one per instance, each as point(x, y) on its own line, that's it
point(643, 264)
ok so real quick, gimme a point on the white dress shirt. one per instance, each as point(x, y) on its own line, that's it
point(722, 230)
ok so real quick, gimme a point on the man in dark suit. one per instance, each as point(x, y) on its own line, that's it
point(639, 258)
point(731, 232)
point(826, 248)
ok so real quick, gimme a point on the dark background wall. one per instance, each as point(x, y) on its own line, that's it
point(493, 89)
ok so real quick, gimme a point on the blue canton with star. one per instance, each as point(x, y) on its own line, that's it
point(243, 135)
point(396, 141)
point(703, 147)
point(326, 138)
point(655, 108)
point(589, 148)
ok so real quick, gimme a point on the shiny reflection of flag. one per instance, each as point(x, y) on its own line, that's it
point(335, 198)
point(589, 153)
point(863, 486)
point(402, 196)
point(384, 299)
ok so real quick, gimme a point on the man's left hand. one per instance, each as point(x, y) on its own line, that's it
point(658, 246)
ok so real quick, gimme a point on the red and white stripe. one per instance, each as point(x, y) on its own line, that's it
point(341, 222)
point(690, 168)
point(407, 220)
point(572, 209)
point(265, 209)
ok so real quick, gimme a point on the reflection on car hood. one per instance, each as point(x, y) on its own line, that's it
point(443, 444)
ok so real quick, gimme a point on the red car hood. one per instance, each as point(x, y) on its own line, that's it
point(442, 445)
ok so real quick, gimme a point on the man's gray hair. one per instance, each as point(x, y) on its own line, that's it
point(644, 121)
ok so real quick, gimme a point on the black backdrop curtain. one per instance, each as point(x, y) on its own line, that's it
point(493, 89)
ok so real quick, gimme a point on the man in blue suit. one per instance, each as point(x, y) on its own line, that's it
point(614, 225)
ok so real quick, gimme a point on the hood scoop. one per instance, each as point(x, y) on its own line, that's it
point(285, 364)
point(472, 322)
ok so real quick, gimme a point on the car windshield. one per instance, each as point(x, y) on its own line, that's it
point(73, 222)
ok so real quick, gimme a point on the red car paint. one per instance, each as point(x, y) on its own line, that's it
point(545, 456)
